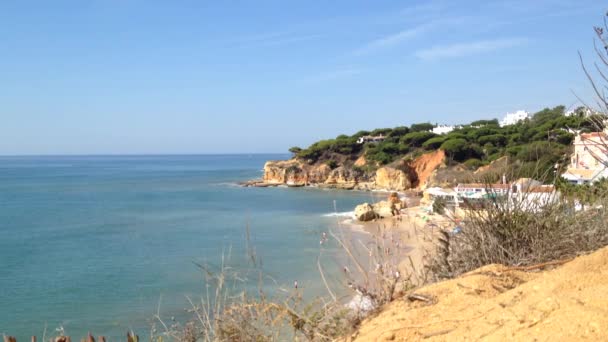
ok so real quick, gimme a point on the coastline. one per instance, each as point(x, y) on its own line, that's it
point(385, 257)
point(414, 232)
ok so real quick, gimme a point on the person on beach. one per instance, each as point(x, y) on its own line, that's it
point(323, 238)
point(295, 284)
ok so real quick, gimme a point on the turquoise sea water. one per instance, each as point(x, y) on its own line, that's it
point(93, 243)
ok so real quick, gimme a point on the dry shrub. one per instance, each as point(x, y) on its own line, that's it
point(513, 230)
point(228, 312)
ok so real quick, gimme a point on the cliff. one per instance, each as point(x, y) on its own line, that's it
point(496, 303)
point(398, 176)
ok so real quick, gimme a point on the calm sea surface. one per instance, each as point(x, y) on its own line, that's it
point(93, 243)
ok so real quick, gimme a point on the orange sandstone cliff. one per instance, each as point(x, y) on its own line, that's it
point(398, 176)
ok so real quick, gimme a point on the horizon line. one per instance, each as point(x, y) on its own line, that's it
point(138, 154)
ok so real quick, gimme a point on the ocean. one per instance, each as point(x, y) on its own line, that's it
point(100, 243)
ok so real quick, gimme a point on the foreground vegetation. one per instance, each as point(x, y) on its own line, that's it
point(517, 232)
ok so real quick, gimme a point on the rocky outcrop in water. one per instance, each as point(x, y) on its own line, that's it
point(399, 176)
point(294, 172)
point(365, 212)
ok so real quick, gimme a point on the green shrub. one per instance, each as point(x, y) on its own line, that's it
point(494, 139)
point(378, 156)
point(416, 139)
point(493, 122)
point(473, 163)
point(433, 143)
point(399, 131)
point(455, 148)
point(422, 127)
point(295, 150)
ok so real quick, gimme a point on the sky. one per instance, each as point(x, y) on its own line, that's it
point(164, 77)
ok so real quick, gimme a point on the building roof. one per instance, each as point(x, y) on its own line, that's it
point(593, 135)
point(584, 174)
point(483, 186)
point(436, 191)
point(540, 188)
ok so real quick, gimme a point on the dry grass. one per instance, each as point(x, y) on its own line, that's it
point(516, 231)
point(227, 312)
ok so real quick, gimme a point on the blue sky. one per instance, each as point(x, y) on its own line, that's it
point(125, 76)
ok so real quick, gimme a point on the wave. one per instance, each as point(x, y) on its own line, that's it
point(228, 184)
point(340, 214)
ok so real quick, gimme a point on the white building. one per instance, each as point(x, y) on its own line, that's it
point(443, 129)
point(513, 118)
point(590, 158)
point(587, 112)
point(368, 138)
point(480, 190)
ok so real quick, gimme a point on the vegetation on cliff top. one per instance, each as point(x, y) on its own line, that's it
point(541, 141)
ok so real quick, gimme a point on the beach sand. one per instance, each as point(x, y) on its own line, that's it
point(411, 238)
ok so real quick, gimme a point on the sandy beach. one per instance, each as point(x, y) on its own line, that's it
point(408, 238)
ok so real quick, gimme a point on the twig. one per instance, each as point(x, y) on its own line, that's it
point(541, 265)
point(324, 280)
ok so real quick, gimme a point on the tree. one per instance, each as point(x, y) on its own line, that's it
point(421, 127)
point(548, 114)
point(433, 143)
point(493, 122)
point(455, 148)
point(399, 131)
point(416, 139)
point(381, 131)
point(295, 150)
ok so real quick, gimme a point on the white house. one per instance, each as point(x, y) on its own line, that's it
point(587, 112)
point(525, 193)
point(369, 138)
point(479, 190)
point(513, 118)
point(589, 162)
point(443, 129)
point(533, 197)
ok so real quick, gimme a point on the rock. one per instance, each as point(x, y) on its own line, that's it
point(282, 172)
point(365, 212)
point(400, 176)
point(340, 175)
point(319, 174)
point(384, 209)
point(361, 161)
point(389, 178)
point(425, 167)
point(362, 304)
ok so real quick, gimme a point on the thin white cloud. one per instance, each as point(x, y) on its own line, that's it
point(410, 34)
point(394, 39)
point(468, 49)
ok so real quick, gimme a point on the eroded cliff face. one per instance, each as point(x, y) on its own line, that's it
point(297, 173)
point(426, 167)
point(389, 178)
point(399, 176)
